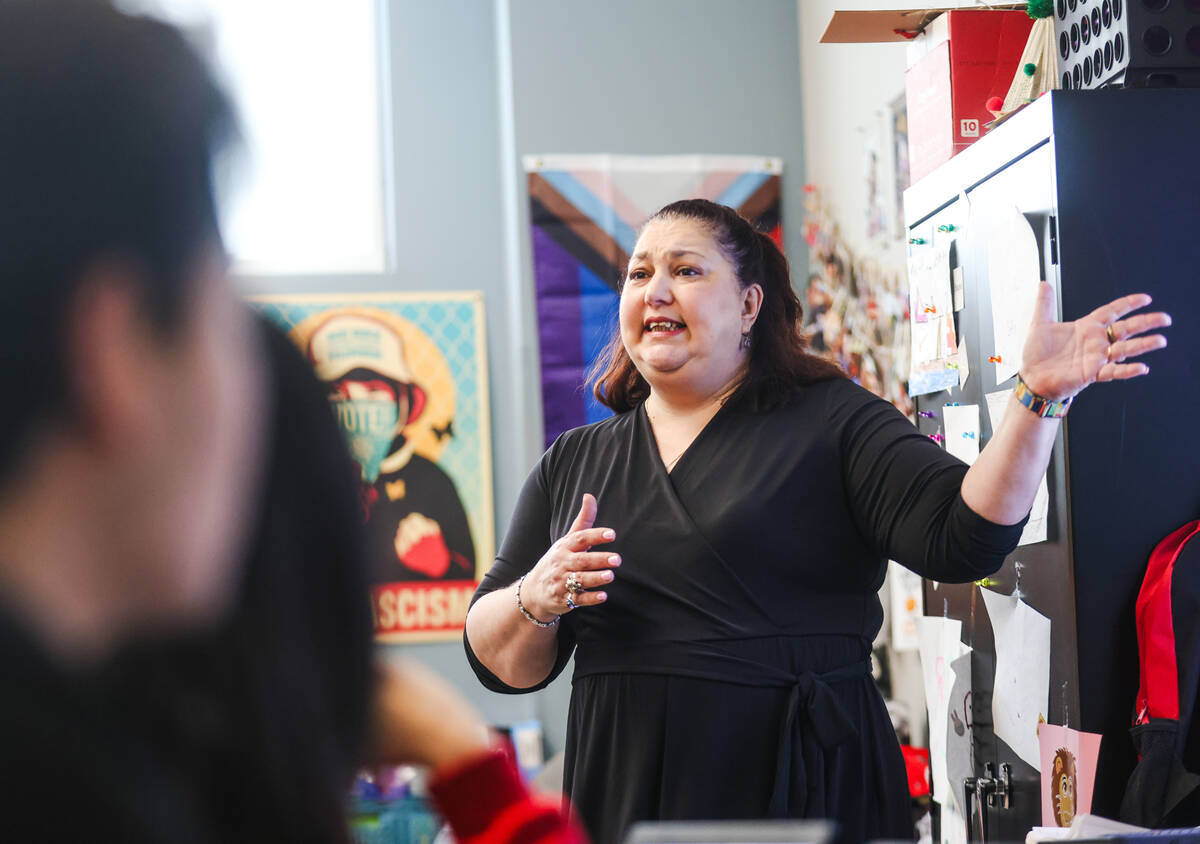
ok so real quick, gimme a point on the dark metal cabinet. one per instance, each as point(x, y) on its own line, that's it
point(1110, 183)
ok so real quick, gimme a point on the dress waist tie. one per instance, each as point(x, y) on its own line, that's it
point(816, 721)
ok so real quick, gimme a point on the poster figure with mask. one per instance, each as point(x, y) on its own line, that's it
point(407, 385)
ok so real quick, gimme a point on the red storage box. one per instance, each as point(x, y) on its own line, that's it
point(963, 58)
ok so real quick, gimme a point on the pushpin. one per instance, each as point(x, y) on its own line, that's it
point(916, 241)
point(951, 404)
point(968, 435)
point(931, 309)
point(926, 414)
point(994, 359)
point(947, 227)
point(937, 438)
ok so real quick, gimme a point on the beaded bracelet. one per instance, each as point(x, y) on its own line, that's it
point(1044, 407)
point(527, 613)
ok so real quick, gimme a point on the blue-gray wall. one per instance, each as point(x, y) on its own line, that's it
point(662, 77)
point(475, 85)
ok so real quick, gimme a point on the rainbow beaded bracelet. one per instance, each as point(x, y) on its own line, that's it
point(1044, 407)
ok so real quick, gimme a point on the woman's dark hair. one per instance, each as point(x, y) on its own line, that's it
point(264, 720)
point(779, 357)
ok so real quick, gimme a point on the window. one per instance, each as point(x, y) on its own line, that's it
point(307, 194)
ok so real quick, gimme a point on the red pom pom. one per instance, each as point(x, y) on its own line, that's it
point(995, 104)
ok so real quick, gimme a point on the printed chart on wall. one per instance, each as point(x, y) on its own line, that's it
point(407, 379)
point(585, 212)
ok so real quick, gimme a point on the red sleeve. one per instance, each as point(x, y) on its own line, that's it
point(485, 802)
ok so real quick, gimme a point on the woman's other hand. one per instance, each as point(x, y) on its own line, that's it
point(1061, 358)
point(544, 591)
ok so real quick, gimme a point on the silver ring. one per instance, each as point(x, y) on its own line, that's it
point(571, 605)
point(574, 584)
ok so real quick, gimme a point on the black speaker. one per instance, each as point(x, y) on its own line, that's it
point(1135, 43)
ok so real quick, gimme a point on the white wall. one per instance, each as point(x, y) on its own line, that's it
point(847, 91)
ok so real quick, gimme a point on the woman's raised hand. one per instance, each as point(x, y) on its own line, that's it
point(1061, 358)
point(571, 562)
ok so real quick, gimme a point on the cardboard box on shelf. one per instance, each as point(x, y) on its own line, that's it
point(877, 26)
point(960, 60)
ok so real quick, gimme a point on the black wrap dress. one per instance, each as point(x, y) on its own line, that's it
point(727, 675)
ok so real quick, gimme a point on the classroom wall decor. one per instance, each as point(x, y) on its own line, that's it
point(585, 212)
point(855, 310)
point(407, 380)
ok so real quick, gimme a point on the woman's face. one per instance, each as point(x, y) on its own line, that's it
point(683, 311)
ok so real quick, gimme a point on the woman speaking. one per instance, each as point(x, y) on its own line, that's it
point(712, 553)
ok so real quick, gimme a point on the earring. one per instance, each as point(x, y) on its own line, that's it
point(746, 340)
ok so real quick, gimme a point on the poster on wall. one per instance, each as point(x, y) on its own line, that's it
point(584, 214)
point(407, 381)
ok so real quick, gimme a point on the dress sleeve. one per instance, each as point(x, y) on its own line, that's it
point(905, 493)
point(527, 539)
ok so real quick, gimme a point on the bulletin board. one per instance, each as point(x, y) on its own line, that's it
point(1018, 626)
point(1070, 178)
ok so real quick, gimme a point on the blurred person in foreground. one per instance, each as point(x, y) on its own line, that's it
point(132, 384)
point(131, 462)
point(271, 713)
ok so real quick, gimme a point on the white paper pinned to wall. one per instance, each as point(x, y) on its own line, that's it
point(1014, 270)
point(997, 405)
point(931, 317)
point(960, 762)
point(906, 606)
point(962, 431)
point(939, 640)
point(1039, 514)
point(964, 365)
point(954, 825)
point(1021, 691)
